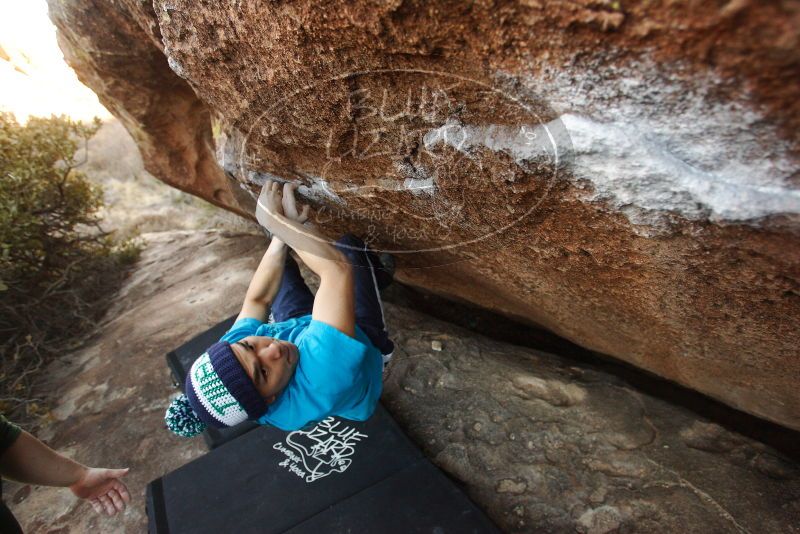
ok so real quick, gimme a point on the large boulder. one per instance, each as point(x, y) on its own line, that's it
point(623, 175)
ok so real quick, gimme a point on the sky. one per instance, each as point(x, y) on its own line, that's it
point(35, 80)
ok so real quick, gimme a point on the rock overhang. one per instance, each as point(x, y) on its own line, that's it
point(664, 234)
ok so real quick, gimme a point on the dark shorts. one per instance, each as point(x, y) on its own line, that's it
point(294, 299)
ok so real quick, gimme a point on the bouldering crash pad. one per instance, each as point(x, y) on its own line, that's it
point(335, 476)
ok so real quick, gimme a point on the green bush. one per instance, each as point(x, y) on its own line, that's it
point(57, 266)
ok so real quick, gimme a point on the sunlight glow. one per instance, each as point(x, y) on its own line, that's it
point(34, 79)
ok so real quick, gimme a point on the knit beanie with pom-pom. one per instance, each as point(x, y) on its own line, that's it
point(218, 393)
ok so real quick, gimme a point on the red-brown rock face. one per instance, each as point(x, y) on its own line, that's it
point(626, 176)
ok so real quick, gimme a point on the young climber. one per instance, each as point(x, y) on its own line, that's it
point(323, 355)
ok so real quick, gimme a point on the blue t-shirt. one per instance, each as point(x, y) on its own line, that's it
point(335, 374)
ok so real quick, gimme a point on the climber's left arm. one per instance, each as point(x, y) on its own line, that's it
point(265, 282)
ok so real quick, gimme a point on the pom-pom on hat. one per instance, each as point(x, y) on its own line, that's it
point(181, 419)
point(218, 393)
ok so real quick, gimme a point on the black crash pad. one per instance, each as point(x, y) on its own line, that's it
point(416, 499)
point(180, 361)
point(337, 476)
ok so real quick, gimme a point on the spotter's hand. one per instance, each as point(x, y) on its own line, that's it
point(104, 489)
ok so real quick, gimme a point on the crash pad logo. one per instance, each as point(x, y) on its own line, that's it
point(327, 448)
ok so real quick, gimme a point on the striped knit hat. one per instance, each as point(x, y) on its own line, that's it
point(218, 393)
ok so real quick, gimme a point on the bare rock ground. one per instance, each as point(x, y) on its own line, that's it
point(547, 446)
point(542, 444)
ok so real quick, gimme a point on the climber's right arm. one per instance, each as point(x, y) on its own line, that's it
point(265, 282)
point(334, 303)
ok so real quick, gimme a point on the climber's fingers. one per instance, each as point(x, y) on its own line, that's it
point(290, 204)
point(270, 187)
point(269, 203)
point(288, 193)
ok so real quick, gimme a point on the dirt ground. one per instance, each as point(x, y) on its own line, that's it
point(111, 394)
